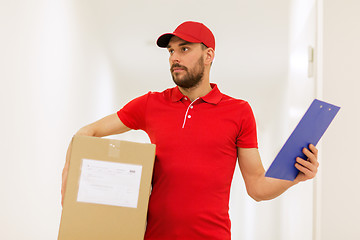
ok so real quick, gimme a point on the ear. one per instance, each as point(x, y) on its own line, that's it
point(209, 57)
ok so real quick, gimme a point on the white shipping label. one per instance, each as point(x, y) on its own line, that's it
point(109, 183)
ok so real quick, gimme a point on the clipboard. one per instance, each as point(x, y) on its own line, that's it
point(309, 130)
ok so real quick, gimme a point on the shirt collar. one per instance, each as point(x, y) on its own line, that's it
point(213, 97)
point(176, 95)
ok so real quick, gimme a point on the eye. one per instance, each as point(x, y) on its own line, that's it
point(184, 49)
point(171, 51)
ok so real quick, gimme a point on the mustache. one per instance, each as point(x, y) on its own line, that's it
point(176, 65)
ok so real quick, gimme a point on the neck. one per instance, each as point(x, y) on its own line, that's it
point(197, 91)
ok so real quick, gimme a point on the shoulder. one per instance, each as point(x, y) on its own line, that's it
point(155, 94)
point(161, 95)
point(226, 99)
point(239, 108)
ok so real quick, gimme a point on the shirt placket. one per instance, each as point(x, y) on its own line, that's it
point(188, 112)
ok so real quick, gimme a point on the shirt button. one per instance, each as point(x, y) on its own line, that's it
point(185, 98)
point(191, 107)
point(189, 116)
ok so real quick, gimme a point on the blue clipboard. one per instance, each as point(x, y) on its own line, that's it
point(309, 131)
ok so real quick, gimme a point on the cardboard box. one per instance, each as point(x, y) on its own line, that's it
point(107, 190)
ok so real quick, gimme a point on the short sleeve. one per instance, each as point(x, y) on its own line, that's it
point(133, 114)
point(247, 137)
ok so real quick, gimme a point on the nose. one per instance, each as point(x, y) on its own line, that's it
point(174, 58)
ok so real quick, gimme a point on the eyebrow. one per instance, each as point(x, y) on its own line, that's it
point(181, 44)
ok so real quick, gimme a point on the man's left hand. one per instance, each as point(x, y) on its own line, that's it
point(308, 168)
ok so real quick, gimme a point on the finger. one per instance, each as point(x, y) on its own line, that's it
point(311, 156)
point(307, 164)
point(313, 149)
point(309, 174)
point(62, 198)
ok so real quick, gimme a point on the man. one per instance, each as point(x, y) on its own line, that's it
point(199, 133)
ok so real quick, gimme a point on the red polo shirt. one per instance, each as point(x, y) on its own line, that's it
point(196, 152)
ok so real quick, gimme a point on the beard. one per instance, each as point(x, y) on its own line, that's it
point(192, 77)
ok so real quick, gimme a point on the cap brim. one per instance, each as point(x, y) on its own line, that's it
point(163, 40)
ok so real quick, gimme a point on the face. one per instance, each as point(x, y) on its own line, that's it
point(187, 62)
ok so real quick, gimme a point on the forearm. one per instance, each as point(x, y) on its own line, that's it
point(106, 126)
point(258, 186)
point(265, 188)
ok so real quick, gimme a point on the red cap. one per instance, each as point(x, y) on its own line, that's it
point(194, 32)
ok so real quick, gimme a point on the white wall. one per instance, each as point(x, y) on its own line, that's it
point(43, 102)
point(300, 92)
point(66, 63)
point(338, 207)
